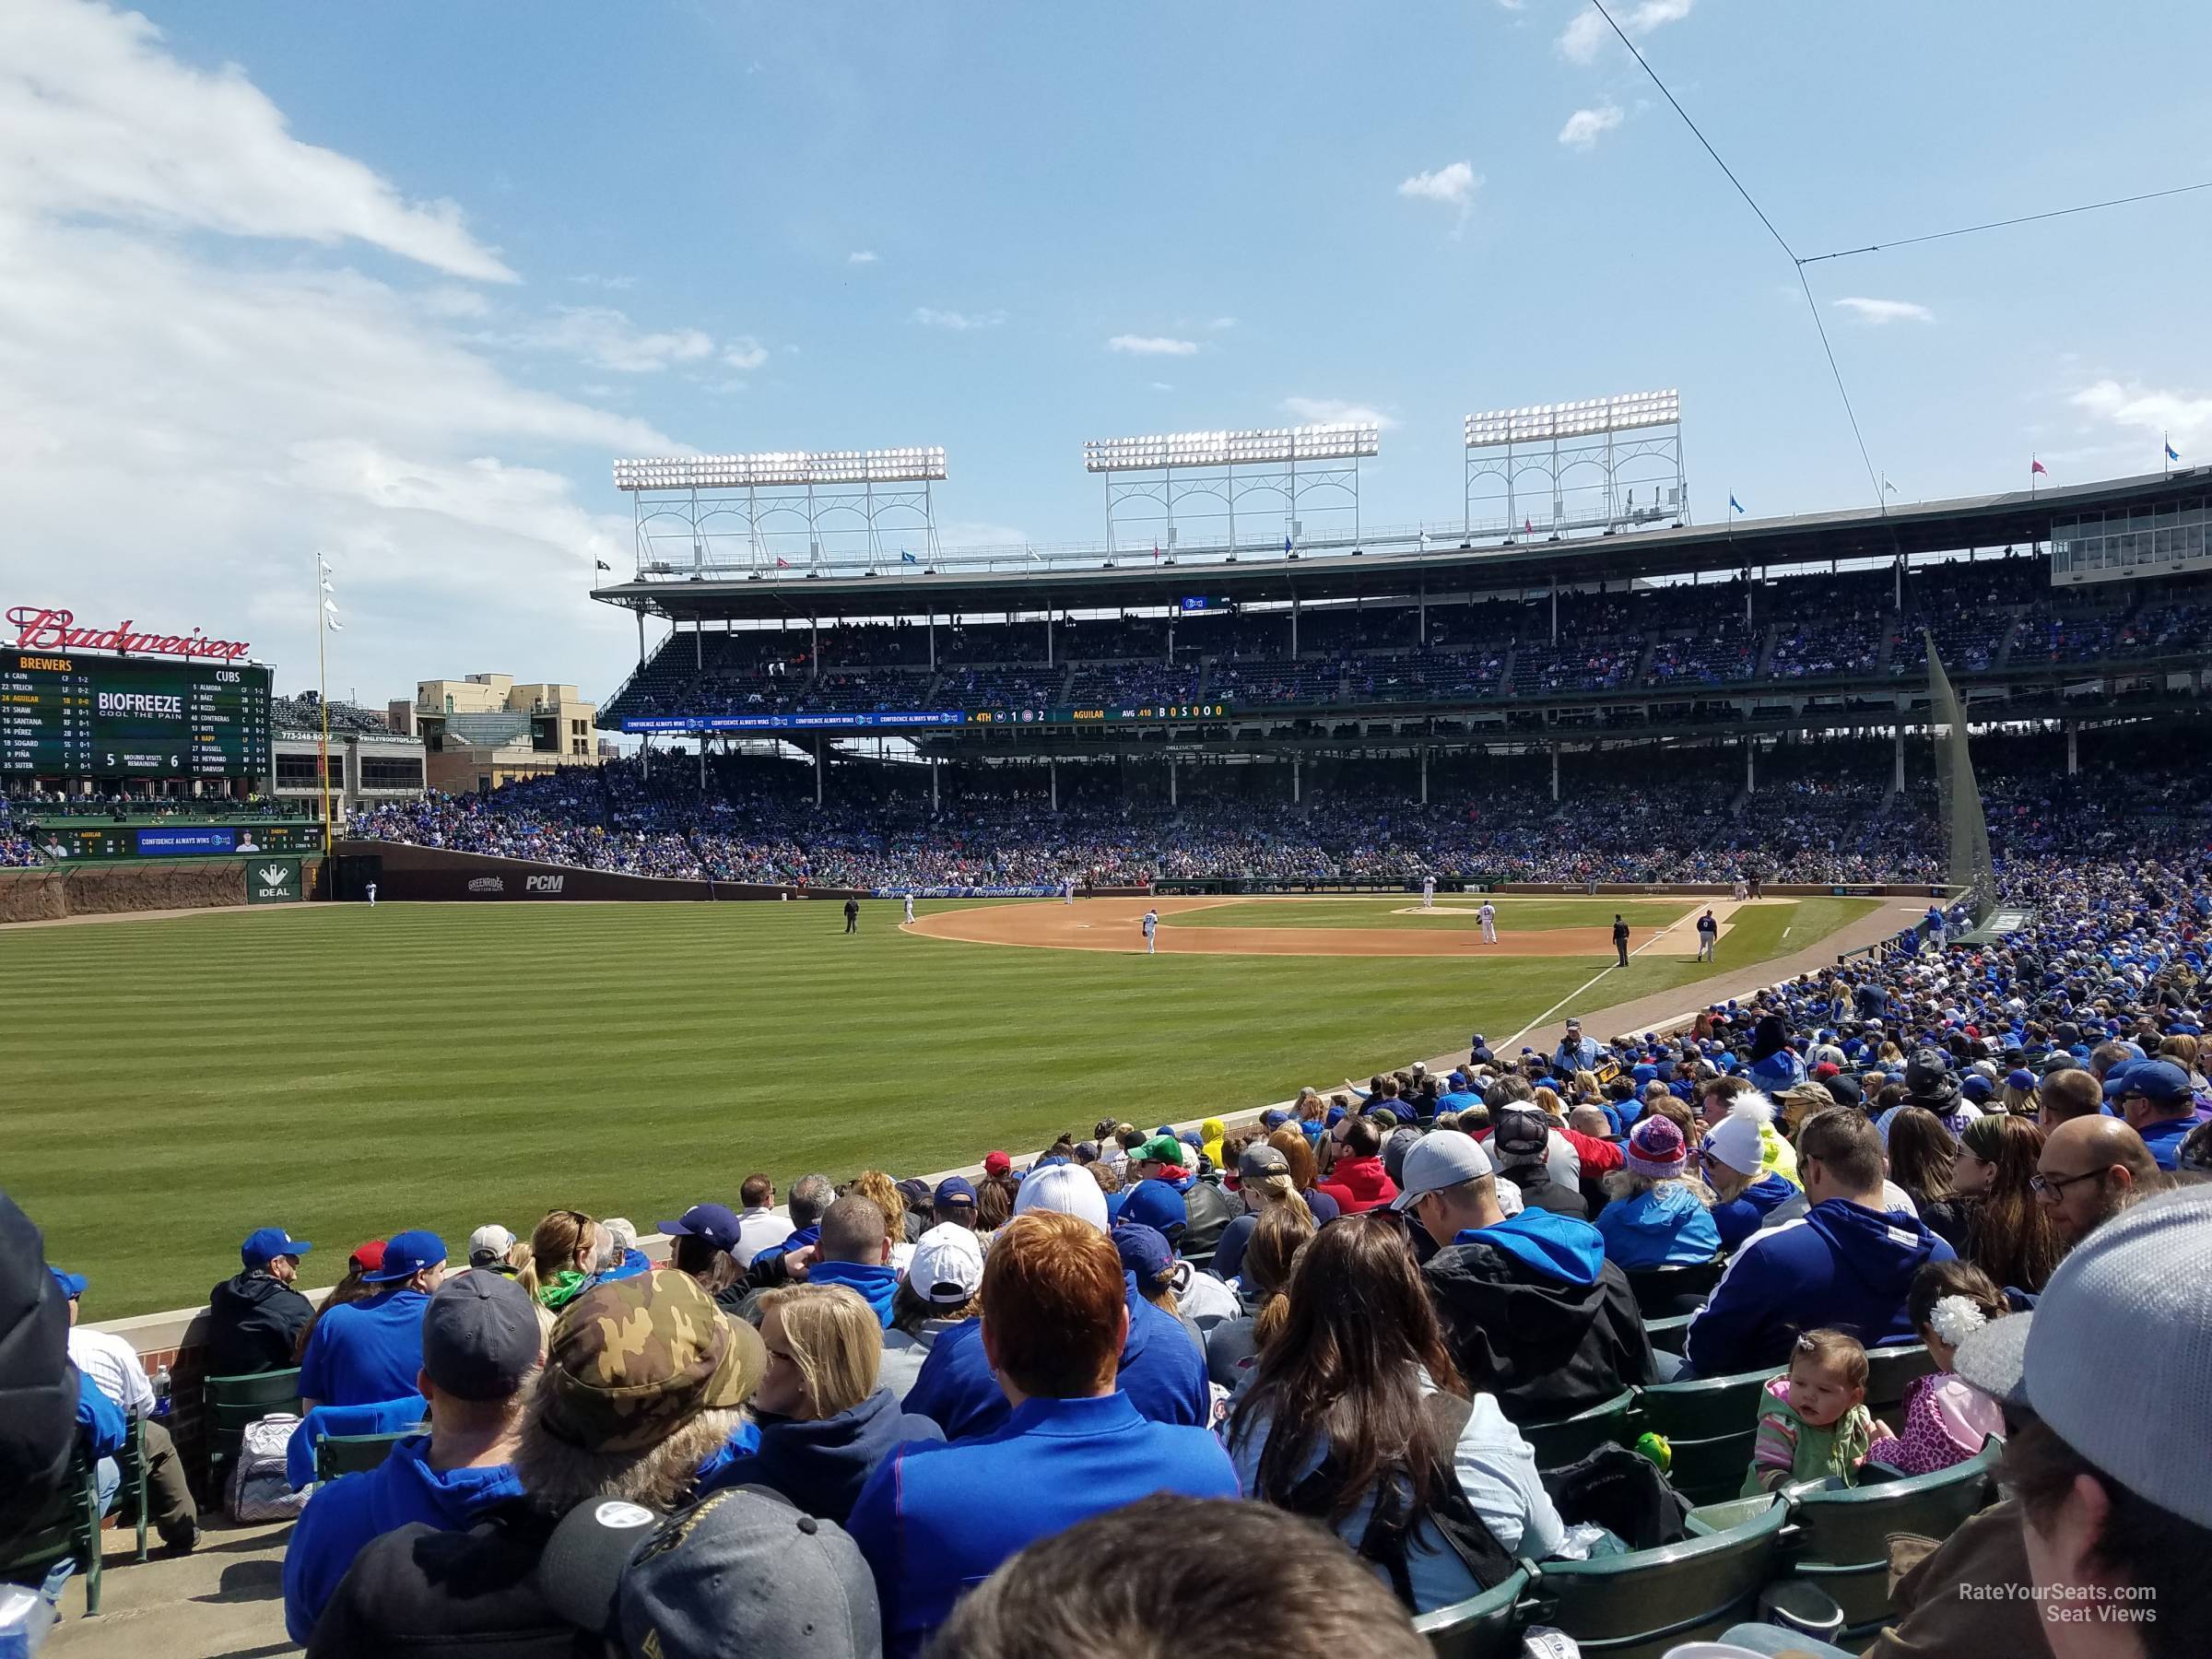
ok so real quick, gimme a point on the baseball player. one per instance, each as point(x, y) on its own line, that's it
point(1428, 892)
point(1709, 935)
point(372, 895)
point(1151, 926)
point(1743, 888)
point(910, 906)
point(1487, 917)
point(1067, 890)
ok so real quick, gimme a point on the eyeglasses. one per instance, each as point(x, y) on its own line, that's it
point(2054, 1187)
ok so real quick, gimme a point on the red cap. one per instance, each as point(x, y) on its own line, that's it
point(369, 1257)
point(997, 1163)
point(1827, 1069)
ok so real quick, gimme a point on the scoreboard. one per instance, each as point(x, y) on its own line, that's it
point(70, 714)
point(86, 838)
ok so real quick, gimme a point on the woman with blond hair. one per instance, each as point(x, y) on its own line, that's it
point(824, 1422)
point(2020, 1095)
point(875, 1184)
point(1263, 1182)
point(1234, 1345)
point(564, 1251)
point(1305, 1171)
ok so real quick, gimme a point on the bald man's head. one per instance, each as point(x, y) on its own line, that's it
point(2091, 1168)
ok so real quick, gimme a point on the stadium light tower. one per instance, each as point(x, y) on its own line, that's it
point(819, 503)
point(1588, 454)
point(1206, 475)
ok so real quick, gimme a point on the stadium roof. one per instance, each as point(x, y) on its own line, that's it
point(1032, 583)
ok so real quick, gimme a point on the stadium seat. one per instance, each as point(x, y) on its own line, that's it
point(1569, 1440)
point(130, 1462)
point(1483, 1627)
point(231, 1402)
point(1668, 1335)
point(1709, 1424)
point(1842, 1535)
point(1890, 1370)
point(1666, 1292)
point(337, 1455)
point(1638, 1605)
point(68, 1526)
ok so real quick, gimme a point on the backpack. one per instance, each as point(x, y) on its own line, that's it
point(1392, 1522)
point(258, 1488)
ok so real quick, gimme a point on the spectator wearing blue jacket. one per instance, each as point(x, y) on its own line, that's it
point(1775, 1066)
point(1845, 1266)
point(1161, 1372)
point(2154, 1098)
point(369, 1352)
point(854, 1250)
point(481, 1344)
point(934, 1520)
point(1654, 1219)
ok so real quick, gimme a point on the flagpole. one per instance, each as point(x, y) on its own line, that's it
point(322, 697)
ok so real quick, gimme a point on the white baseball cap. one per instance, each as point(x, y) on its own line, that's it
point(1446, 1159)
point(489, 1243)
point(948, 1268)
point(1066, 1189)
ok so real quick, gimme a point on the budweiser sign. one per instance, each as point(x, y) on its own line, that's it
point(39, 628)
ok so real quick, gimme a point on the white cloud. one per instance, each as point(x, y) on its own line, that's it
point(744, 352)
point(1454, 185)
point(862, 257)
point(2187, 416)
point(930, 317)
point(1879, 311)
point(591, 279)
point(1222, 322)
point(1586, 32)
point(606, 338)
point(231, 407)
point(1585, 127)
point(1152, 345)
point(1335, 411)
point(101, 123)
point(1161, 386)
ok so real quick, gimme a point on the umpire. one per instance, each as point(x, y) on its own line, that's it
point(1620, 938)
point(851, 916)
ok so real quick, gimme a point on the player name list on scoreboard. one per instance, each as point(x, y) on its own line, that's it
point(72, 716)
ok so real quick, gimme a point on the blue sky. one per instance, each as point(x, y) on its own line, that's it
point(399, 281)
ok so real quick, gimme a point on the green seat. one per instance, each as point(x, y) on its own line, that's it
point(1890, 1370)
point(130, 1462)
point(337, 1455)
point(1483, 1627)
point(1709, 1424)
point(231, 1402)
point(1568, 1440)
point(1667, 1335)
point(1660, 1291)
point(1639, 1604)
point(1711, 1471)
point(1843, 1543)
point(68, 1526)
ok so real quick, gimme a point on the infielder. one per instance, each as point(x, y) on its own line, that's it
point(1709, 935)
point(1067, 890)
point(910, 906)
point(1428, 892)
point(1743, 889)
point(1151, 926)
point(1488, 916)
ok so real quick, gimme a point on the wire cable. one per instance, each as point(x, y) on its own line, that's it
point(2025, 218)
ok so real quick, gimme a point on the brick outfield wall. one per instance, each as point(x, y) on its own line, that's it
point(57, 892)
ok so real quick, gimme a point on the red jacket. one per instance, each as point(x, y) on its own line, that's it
point(1598, 1155)
point(1359, 1184)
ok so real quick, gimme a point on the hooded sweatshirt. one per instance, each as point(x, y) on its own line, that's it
point(821, 1465)
point(253, 1324)
point(876, 1283)
point(1843, 1265)
point(346, 1514)
point(1666, 1227)
point(1534, 1314)
point(1358, 1184)
point(1738, 1217)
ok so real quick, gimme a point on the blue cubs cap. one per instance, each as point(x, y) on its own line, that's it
point(1146, 1252)
point(1155, 1203)
point(953, 1192)
point(2161, 1081)
point(713, 1223)
point(265, 1245)
point(72, 1284)
point(406, 1254)
point(1274, 1119)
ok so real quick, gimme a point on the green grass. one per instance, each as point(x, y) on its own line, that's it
point(348, 1072)
point(1532, 914)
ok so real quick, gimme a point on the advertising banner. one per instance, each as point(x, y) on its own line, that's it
point(273, 881)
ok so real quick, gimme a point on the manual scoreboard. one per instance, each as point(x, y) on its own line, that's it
point(69, 715)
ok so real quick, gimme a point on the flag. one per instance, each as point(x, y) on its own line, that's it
point(1528, 526)
point(1286, 544)
point(335, 626)
point(602, 564)
point(330, 604)
point(2171, 453)
point(1156, 552)
point(907, 559)
point(1733, 505)
point(2035, 467)
point(783, 563)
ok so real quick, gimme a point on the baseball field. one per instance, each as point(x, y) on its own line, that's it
point(346, 1072)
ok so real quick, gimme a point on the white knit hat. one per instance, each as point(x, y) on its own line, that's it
point(1734, 1140)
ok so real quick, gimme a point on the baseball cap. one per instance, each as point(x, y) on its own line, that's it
point(2019, 1077)
point(1157, 1204)
point(1976, 1087)
point(1274, 1117)
point(367, 1258)
point(1146, 1252)
point(1446, 1159)
point(1927, 1071)
point(631, 1360)
point(713, 1223)
point(489, 1244)
point(480, 1337)
point(73, 1284)
point(1259, 1160)
point(406, 1254)
point(744, 1571)
point(997, 1163)
point(2163, 1082)
point(1395, 1147)
point(1067, 1190)
point(1521, 1133)
point(954, 1192)
point(2140, 1285)
point(265, 1244)
point(948, 1264)
point(1160, 1149)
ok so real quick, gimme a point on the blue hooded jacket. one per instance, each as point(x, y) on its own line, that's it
point(1841, 1265)
point(1556, 1246)
point(1162, 1372)
point(1663, 1228)
point(1743, 1214)
point(345, 1515)
point(821, 1465)
point(876, 1284)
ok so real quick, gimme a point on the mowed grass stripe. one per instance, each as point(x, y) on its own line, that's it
point(1455, 910)
point(348, 1072)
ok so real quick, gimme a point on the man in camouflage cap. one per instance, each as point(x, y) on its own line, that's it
point(642, 1384)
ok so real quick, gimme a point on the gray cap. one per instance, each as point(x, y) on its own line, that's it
point(1259, 1160)
point(480, 1337)
point(2139, 1286)
point(1446, 1159)
point(746, 1573)
point(1399, 1143)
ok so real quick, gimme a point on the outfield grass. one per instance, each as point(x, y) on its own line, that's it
point(1532, 914)
point(348, 1072)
